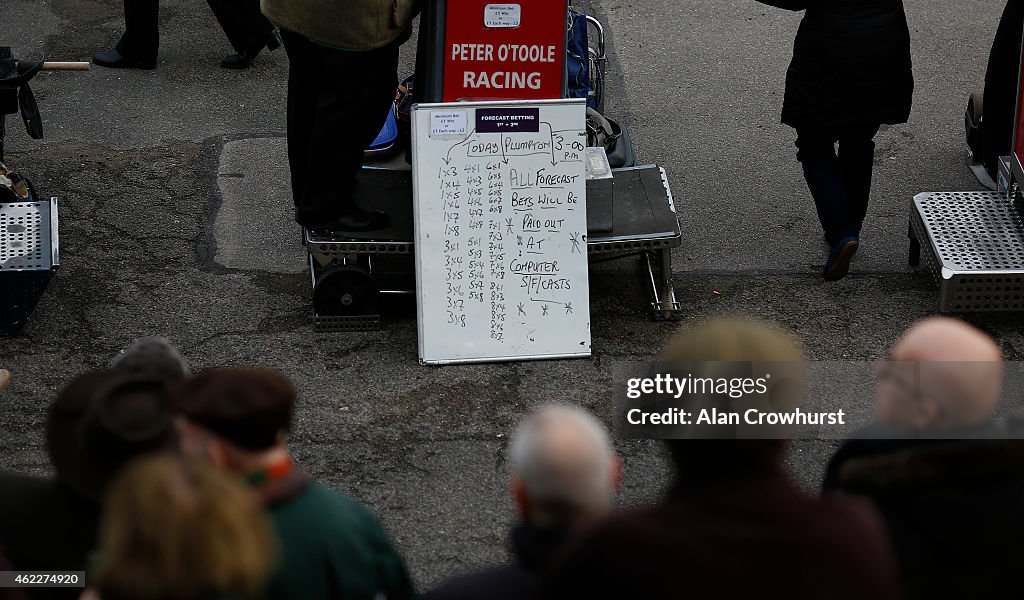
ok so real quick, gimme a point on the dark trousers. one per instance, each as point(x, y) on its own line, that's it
point(246, 27)
point(141, 38)
point(338, 101)
point(840, 183)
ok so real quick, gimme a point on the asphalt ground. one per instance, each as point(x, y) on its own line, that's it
point(174, 202)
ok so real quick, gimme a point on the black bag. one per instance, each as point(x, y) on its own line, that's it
point(14, 188)
point(603, 132)
point(15, 93)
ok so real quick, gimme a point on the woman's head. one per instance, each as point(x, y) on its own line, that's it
point(174, 529)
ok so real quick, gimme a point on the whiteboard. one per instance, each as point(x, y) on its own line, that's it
point(501, 225)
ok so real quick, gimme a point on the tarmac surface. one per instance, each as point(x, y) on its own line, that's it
point(175, 221)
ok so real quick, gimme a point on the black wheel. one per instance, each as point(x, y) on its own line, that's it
point(976, 106)
point(345, 292)
point(973, 114)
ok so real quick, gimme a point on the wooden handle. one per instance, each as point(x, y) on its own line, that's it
point(66, 66)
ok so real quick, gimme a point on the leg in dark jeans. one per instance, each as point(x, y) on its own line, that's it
point(141, 39)
point(840, 184)
point(337, 103)
point(824, 177)
point(857, 159)
point(246, 27)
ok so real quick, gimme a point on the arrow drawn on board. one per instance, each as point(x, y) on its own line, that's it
point(448, 157)
point(551, 136)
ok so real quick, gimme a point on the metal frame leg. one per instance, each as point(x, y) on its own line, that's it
point(914, 257)
point(664, 306)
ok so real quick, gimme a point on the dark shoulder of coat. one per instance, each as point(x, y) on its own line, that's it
point(952, 509)
point(46, 526)
point(505, 582)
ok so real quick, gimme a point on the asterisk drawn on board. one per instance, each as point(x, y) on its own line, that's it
point(575, 239)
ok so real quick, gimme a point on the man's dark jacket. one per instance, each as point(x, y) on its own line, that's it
point(533, 548)
point(851, 64)
point(46, 526)
point(759, 537)
point(954, 507)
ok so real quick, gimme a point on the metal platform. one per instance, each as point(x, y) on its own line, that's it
point(29, 255)
point(973, 245)
point(644, 224)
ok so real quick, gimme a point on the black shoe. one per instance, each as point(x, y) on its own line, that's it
point(274, 41)
point(115, 60)
point(838, 263)
point(242, 60)
point(364, 220)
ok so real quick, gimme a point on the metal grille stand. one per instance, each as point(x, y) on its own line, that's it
point(973, 245)
point(29, 255)
point(350, 275)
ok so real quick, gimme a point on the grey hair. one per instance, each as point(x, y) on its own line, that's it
point(152, 356)
point(562, 487)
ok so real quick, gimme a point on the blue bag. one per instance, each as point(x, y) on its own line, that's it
point(387, 143)
point(577, 59)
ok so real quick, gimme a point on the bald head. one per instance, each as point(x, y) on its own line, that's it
point(563, 467)
point(943, 373)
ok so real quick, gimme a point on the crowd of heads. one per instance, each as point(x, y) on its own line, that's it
point(193, 494)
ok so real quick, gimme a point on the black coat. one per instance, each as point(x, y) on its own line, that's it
point(1001, 87)
point(759, 537)
point(46, 526)
point(954, 508)
point(9, 593)
point(533, 548)
point(851, 64)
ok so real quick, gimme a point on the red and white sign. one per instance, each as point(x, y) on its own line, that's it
point(504, 51)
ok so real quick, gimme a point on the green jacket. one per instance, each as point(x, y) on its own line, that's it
point(333, 547)
point(345, 24)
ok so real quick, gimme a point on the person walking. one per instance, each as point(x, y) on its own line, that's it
point(851, 73)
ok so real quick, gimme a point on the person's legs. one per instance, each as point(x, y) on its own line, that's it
point(243, 23)
point(302, 65)
point(141, 39)
point(354, 92)
point(824, 176)
point(856, 158)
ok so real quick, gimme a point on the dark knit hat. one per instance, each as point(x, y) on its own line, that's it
point(101, 421)
point(250, 408)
